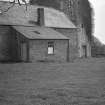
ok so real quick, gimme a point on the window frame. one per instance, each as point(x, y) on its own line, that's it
point(50, 44)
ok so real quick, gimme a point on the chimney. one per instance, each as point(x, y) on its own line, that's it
point(40, 16)
point(61, 5)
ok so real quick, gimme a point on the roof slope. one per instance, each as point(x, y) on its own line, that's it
point(55, 18)
point(39, 32)
point(17, 15)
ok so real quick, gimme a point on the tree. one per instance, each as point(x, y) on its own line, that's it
point(48, 3)
point(86, 13)
point(11, 4)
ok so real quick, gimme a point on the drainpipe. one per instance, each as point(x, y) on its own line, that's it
point(68, 51)
point(28, 51)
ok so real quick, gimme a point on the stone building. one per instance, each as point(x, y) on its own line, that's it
point(72, 9)
point(31, 35)
point(43, 33)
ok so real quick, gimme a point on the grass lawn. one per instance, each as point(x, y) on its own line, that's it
point(78, 83)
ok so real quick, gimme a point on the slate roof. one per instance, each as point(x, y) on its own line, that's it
point(17, 15)
point(55, 18)
point(39, 32)
point(25, 22)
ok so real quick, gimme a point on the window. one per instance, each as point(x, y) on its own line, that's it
point(50, 48)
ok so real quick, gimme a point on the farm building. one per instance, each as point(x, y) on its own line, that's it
point(26, 37)
point(80, 13)
point(40, 34)
point(73, 9)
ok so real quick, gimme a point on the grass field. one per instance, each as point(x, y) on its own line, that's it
point(78, 83)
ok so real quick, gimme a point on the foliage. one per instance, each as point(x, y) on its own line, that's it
point(49, 3)
point(86, 13)
point(9, 4)
point(97, 48)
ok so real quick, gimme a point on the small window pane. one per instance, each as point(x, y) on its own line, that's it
point(50, 50)
point(50, 47)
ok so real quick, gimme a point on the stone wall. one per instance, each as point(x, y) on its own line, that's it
point(73, 43)
point(83, 41)
point(8, 44)
point(39, 50)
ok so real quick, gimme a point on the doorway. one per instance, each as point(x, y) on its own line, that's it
point(84, 51)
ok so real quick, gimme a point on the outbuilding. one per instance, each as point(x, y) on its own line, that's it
point(41, 44)
point(27, 36)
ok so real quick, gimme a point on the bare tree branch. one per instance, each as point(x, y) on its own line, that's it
point(19, 2)
point(13, 3)
point(25, 3)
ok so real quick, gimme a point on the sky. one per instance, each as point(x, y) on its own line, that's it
point(99, 19)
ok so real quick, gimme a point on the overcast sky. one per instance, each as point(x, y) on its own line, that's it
point(99, 9)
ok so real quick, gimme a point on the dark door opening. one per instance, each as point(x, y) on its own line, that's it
point(84, 51)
